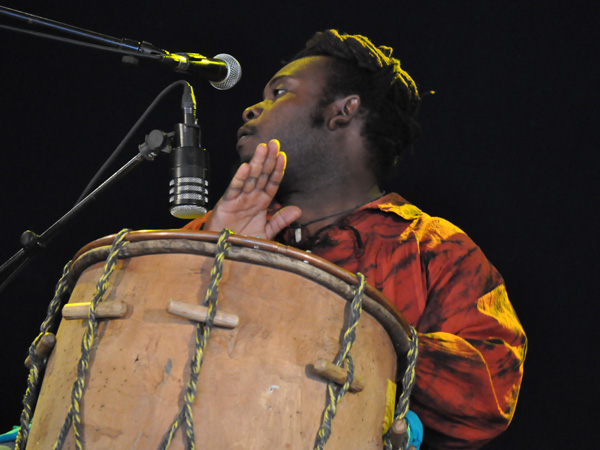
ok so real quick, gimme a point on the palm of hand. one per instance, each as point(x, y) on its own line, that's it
point(243, 207)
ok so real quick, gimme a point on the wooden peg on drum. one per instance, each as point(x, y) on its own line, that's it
point(199, 313)
point(105, 310)
point(337, 374)
point(43, 348)
point(399, 435)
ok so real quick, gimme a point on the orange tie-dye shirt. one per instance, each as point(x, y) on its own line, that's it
point(471, 344)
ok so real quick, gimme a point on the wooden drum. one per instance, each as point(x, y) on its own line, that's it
point(257, 387)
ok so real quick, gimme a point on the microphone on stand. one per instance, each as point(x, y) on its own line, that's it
point(223, 71)
point(188, 187)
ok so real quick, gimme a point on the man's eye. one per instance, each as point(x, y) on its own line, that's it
point(278, 92)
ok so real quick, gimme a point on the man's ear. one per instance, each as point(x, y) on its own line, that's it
point(342, 111)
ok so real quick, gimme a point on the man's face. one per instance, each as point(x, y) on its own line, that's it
point(288, 113)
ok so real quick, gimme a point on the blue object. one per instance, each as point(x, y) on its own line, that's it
point(11, 436)
point(415, 430)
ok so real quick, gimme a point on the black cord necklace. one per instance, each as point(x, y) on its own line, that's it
point(298, 226)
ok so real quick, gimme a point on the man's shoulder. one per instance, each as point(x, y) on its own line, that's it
point(421, 223)
point(395, 204)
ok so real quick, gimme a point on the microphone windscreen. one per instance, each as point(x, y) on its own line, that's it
point(234, 72)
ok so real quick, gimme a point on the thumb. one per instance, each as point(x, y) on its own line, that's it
point(283, 218)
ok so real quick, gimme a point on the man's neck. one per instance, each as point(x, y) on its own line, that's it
point(324, 207)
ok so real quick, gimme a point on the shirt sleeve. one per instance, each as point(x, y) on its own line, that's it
point(197, 224)
point(472, 346)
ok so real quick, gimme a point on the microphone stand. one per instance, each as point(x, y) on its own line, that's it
point(130, 49)
point(155, 142)
point(125, 46)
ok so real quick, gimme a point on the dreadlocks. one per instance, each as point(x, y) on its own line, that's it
point(389, 96)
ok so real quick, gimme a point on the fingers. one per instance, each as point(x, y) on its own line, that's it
point(263, 173)
point(243, 207)
point(237, 183)
point(277, 175)
point(258, 168)
point(272, 163)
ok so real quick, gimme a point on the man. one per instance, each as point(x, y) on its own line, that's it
point(342, 111)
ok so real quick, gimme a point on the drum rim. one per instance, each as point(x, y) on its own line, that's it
point(242, 241)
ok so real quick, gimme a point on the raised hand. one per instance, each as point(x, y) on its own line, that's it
point(243, 207)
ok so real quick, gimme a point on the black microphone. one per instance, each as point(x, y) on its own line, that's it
point(188, 187)
point(223, 70)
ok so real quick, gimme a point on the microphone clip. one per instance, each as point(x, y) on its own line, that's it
point(155, 142)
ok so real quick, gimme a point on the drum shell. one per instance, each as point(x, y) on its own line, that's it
point(256, 388)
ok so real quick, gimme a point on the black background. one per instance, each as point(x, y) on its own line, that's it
point(508, 153)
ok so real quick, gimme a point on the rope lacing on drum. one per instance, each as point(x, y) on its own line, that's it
point(38, 363)
point(408, 382)
point(202, 334)
point(73, 416)
point(342, 359)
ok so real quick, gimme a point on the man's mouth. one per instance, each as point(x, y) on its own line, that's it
point(245, 131)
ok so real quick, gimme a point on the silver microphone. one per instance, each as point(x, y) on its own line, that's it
point(223, 71)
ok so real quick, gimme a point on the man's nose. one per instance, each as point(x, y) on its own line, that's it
point(252, 112)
